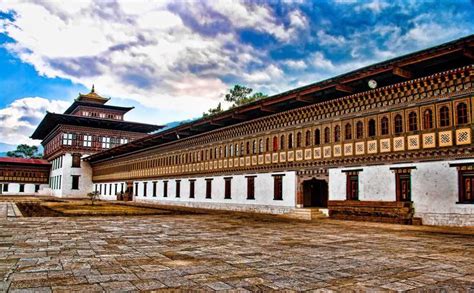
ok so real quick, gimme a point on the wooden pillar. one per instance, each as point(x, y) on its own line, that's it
point(129, 193)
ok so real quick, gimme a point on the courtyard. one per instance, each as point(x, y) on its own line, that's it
point(218, 251)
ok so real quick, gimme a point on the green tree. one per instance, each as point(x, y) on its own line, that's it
point(213, 111)
point(240, 95)
point(25, 151)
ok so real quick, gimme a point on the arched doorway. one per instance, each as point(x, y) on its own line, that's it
point(315, 193)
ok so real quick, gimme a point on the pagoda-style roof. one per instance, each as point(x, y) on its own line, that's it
point(52, 120)
point(92, 97)
point(426, 62)
point(96, 105)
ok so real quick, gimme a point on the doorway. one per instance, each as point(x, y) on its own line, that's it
point(315, 193)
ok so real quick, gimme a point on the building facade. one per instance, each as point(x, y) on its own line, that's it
point(397, 152)
point(20, 176)
point(87, 127)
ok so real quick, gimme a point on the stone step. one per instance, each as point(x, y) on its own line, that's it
point(306, 214)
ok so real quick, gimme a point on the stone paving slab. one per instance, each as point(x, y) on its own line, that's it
point(216, 253)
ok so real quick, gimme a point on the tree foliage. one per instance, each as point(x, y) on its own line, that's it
point(25, 151)
point(240, 95)
point(213, 111)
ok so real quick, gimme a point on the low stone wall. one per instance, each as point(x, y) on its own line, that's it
point(222, 206)
point(447, 219)
point(373, 211)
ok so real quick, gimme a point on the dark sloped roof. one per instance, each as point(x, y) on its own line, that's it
point(23, 161)
point(450, 55)
point(51, 120)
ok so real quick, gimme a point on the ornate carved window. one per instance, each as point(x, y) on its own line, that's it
point(412, 121)
point(348, 132)
point(254, 147)
point(308, 138)
point(461, 113)
point(444, 116)
point(317, 137)
point(298, 139)
point(372, 128)
point(327, 134)
point(267, 144)
point(290, 140)
point(337, 133)
point(384, 126)
point(260, 146)
point(359, 130)
point(352, 185)
point(275, 143)
point(247, 148)
point(282, 142)
point(398, 121)
point(428, 119)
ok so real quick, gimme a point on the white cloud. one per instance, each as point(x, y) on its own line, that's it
point(295, 64)
point(20, 118)
point(320, 61)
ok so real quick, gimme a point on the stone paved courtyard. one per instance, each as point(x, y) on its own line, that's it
point(219, 252)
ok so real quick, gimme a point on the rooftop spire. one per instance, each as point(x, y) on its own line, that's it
point(93, 89)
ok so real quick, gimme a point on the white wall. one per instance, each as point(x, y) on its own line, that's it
point(263, 201)
point(66, 171)
point(434, 190)
point(14, 189)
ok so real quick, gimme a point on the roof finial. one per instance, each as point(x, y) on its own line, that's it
point(93, 89)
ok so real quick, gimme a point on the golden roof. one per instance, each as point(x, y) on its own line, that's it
point(92, 97)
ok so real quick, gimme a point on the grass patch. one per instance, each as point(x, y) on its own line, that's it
point(80, 208)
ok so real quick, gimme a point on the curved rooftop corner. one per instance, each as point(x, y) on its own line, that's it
point(457, 53)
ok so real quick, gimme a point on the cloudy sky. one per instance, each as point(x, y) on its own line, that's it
point(174, 60)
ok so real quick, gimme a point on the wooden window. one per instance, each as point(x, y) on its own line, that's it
point(247, 148)
point(359, 130)
point(337, 133)
point(298, 139)
point(384, 126)
point(154, 189)
point(466, 183)
point(461, 113)
point(403, 185)
point(260, 146)
point(37, 188)
point(317, 137)
point(275, 143)
point(372, 128)
point(68, 138)
point(267, 144)
point(105, 142)
point(5, 187)
point(116, 188)
point(165, 188)
point(428, 119)
point(208, 188)
point(110, 189)
point(254, 147)
point(290, 141)
point(76, 160)
point(144, 188)
point(242, 149)
point(412, 121)
point(87, 140)
point(22, 187)
point(282, 142)
point(444, 116)
point(75, 182)
point(277, 187)
point(398, 121)
point(308, 138)
point(250, 187)
point(192, 188)
point(348, 132)
point(178, 188)
point(352, 186)
point(227, 188)
point(327, 135)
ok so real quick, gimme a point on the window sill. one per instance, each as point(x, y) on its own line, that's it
point(250, 198)
point(465, 202)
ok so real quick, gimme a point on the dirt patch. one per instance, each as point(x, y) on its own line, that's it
point(35, 209)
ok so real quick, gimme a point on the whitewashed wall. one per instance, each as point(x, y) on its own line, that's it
point(66, 171)
point(263, 201)
point(434, 190)
point(14, 189)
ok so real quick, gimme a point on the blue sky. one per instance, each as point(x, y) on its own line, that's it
point(174, 60)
